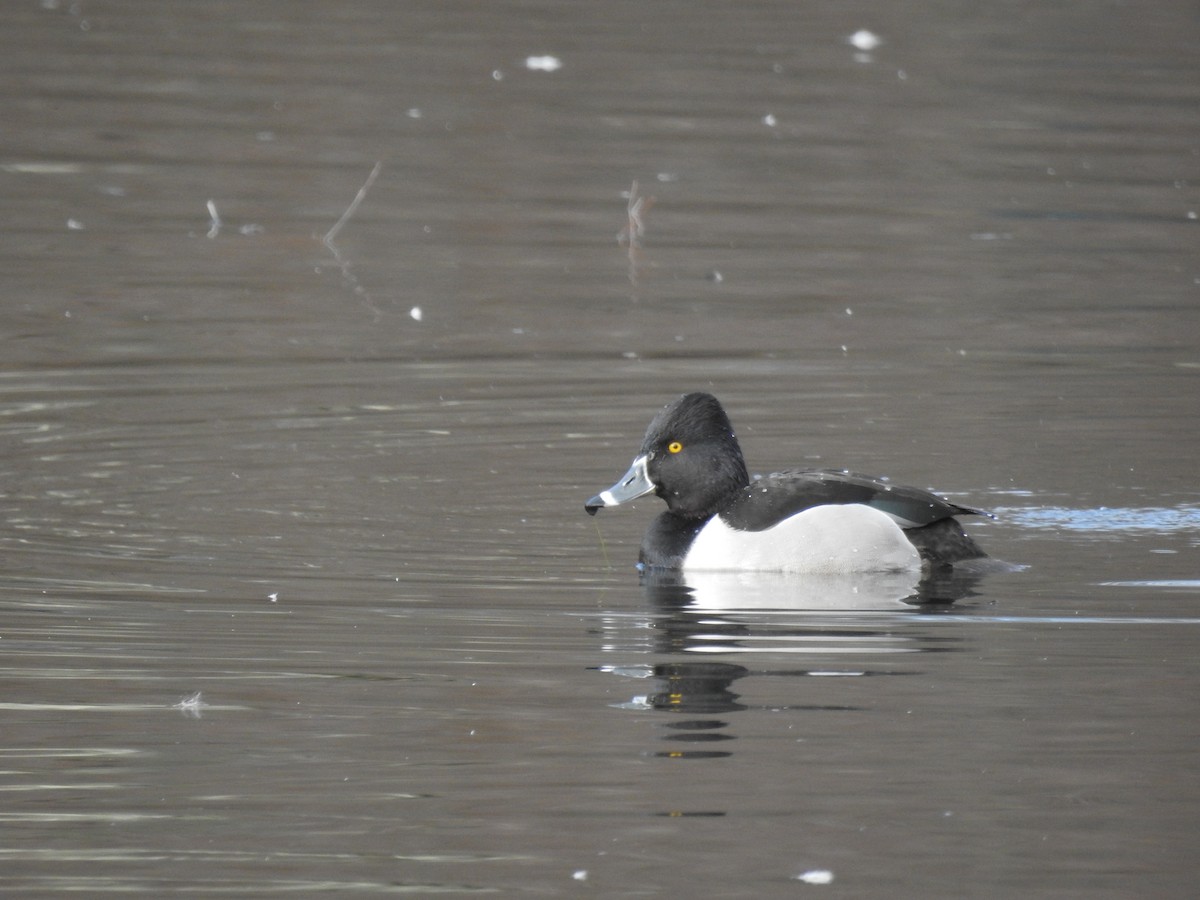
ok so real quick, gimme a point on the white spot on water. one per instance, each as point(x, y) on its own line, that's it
point(545, 63)
point(416, 314)
point(816, 876)
point(43, 168)
point(864, 40)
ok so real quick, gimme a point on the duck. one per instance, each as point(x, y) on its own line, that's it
point(809, 521)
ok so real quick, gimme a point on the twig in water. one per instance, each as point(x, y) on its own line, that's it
point(636, 208)
point(344, 264)
point(631, 235)
point(353, 207)
point(215, 228)
point(603, 546)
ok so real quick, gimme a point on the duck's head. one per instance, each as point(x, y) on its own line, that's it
point(690, 457)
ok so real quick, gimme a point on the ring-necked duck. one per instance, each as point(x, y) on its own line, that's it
point(817, 521)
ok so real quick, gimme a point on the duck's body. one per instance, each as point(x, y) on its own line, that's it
point(817, 521)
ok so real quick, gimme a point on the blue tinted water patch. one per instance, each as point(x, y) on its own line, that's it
point(1107, 519)
point(1190, 584)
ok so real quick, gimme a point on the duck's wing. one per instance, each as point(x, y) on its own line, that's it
point(773, 498)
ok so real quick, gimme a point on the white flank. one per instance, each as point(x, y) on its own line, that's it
point(824, 540)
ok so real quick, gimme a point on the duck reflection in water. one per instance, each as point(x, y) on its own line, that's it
point(931, 591)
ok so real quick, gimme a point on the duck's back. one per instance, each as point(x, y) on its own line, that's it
point(773, 498)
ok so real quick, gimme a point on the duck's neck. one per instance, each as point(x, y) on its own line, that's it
point(667, 540)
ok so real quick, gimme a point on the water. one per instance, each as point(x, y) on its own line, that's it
point(298, 593)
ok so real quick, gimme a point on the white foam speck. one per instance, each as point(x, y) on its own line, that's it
point(416, 314)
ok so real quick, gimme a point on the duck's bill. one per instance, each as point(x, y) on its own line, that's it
point(633, 484)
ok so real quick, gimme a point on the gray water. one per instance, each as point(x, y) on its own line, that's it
point(297, 593)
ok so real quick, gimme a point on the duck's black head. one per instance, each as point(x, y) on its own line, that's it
point(690, 457)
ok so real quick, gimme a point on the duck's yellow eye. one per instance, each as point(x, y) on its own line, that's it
point(674, 447)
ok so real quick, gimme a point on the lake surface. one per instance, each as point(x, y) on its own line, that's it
point(297, 592)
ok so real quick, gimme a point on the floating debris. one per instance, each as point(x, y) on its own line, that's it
point(192, 706)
